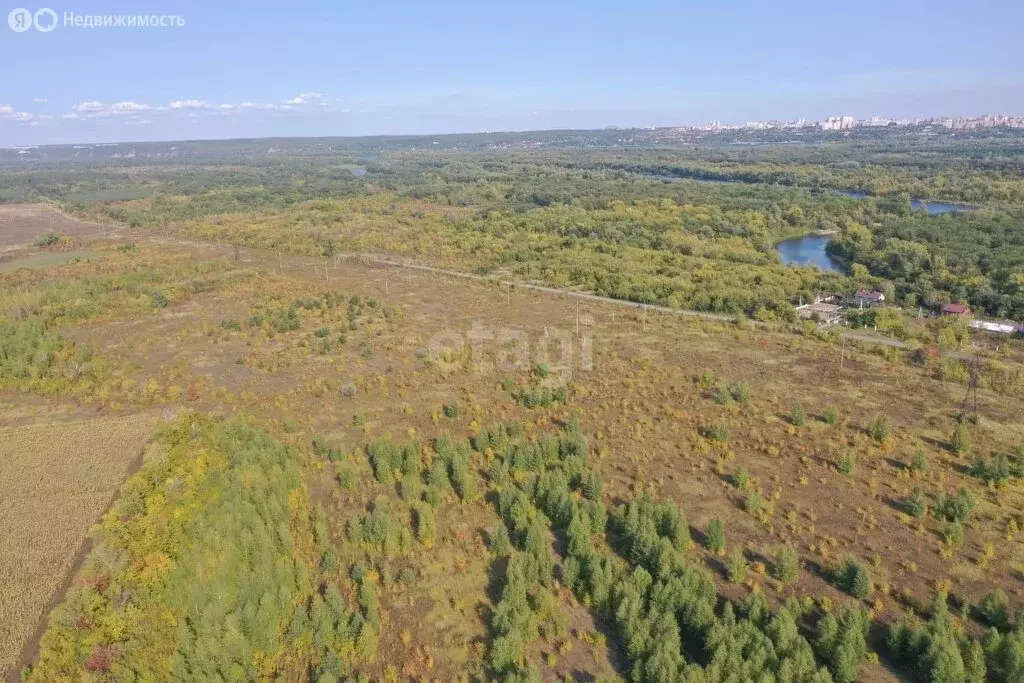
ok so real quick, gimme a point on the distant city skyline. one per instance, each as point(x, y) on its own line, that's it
point(830, 123)
point(201, 70)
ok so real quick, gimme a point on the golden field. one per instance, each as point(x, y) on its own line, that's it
point(55, 481)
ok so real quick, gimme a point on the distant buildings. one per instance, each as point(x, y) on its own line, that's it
point(846, 123)
point(821, 312)
point(839, 123)
point(956, 309)
point(865, 298)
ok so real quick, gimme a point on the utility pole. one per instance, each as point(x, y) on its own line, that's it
point(842, 355)
point(577, 318)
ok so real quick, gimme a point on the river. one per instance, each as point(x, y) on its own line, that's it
point(934, 208)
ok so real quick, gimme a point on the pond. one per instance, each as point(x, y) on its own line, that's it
point(808, 250)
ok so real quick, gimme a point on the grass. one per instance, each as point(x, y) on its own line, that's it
point(55, 482)
point(652, 428)
point(56, 258)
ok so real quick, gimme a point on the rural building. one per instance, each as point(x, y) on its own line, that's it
point(997, 327)
point(821, 312)
point(866, 298)
point(956, 309)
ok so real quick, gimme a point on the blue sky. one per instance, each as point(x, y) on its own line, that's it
point(241, 69)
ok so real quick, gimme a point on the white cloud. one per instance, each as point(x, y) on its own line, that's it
point(86, 107)
point(227, 107)
point(129, 107)
point(94, 109)
point(9, 113)
point(40, 100)
point(191, 108)
point(308, 98)
point(189, 104)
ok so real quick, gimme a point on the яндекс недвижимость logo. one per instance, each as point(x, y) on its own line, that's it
point(21, 20)
point(45, 20)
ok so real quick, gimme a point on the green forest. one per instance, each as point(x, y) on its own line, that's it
point(642, 224)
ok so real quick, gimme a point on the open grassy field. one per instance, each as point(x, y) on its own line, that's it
point(765, 429)
point(25, 223)
point(56, 479)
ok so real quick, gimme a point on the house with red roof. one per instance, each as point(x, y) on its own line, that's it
point(956, 309)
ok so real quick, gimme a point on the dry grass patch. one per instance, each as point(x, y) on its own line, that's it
point(55, 481)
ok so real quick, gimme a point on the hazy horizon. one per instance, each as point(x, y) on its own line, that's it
point(399, 68)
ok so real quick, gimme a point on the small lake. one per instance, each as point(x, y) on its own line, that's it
point(808, 250)
point(934, 208)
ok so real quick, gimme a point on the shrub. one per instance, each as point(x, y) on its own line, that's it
point(463, 479)
point(787, 564)
point(754, 503)
point(346, 477)
point(997, 471)
point(706, 380)
point(718, 431)
point(994, 610)
point(798, 417)
point(920, 461)
point(915, 504)
point(425, 521)
point(737, 566)
point(158, 299)
point(451, 410)
point(385, 459)
point(740, 392)
point(325, 449)
point(348, 390)
point(542, 397)
point(378, 529)
point(956, 508)
point(854, 578)
point(592, 486)
point(880, 428)
point(961, 442)
point(721, 396)
point(716, 536)
point(321, 332)
point(499, 541)
point(847, 463)
point(832, 416)
point(741, 478)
